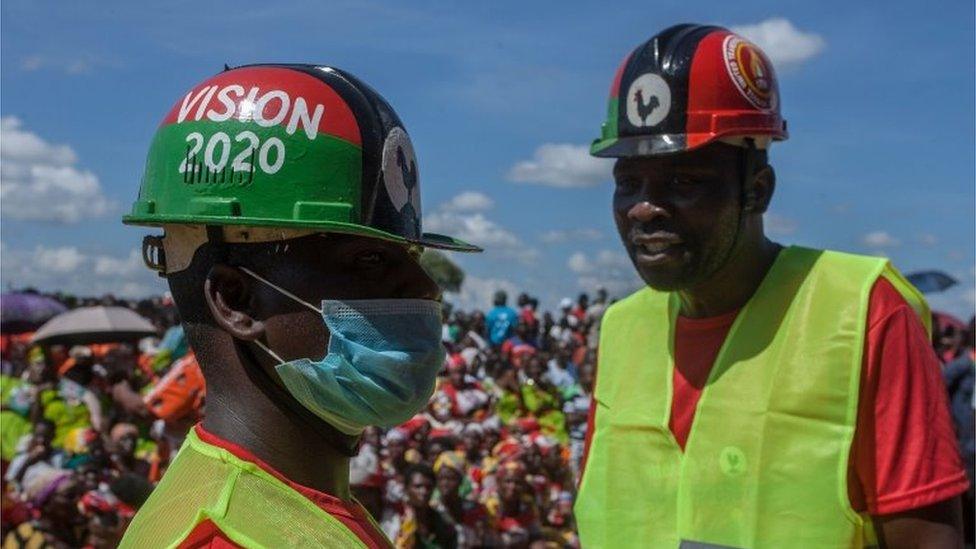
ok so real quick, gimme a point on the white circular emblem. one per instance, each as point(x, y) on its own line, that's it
point(750, 72)
point(648, 100)
point(400, 173)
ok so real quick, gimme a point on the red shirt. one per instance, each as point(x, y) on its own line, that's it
point(351, 514)
point(904, 454)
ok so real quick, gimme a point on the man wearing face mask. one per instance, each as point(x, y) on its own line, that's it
point(290, 204)
point(751, 395)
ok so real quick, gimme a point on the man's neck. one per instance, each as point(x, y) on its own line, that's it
point(731, 287)
point(248, 418)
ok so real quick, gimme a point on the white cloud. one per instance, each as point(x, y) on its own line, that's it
point(880, 239)
point(956, 255)
point(77, 66)
point(458, 219)
point(21, 146)
point(67, 65)
point(559, 236)
point(562, 165)
point(478, 229)
point(578, 263)
point(783, 43)
point(959, 301)
point(608, 269)
point(39, 180)
point(32, 63)
point(58, 260)
point(477, 293)
point(604, 260)
point(132, 265)
point(475, 228)
point(780, 225)
point(68, 269)
point(469, 201)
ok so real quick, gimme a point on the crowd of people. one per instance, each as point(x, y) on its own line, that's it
point(493, 461)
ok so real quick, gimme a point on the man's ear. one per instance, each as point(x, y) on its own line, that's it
point(229, 295)
point(763, 187)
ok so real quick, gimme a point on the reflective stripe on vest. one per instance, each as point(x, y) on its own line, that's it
point(249, 505)
point(766, 461)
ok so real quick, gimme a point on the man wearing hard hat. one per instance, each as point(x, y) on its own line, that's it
point(752, 395)
point(290, 203)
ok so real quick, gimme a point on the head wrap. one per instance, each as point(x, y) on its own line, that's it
point(41, 481)
point(506, 449)
point(412, 455)
point(394, 435)
point(511, 468)
point(451, 460)
point(122, 430)
point(455, 362)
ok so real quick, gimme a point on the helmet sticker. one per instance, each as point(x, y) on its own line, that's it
point(648, 100)
point(750, 71)
point(400, 170)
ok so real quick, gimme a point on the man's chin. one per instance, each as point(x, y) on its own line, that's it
point(665, 280)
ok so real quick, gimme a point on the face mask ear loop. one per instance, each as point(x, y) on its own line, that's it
point(282, 290)
point(268, 350)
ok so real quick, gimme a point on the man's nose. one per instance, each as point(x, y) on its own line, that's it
point(415, 283)
point(647, 208)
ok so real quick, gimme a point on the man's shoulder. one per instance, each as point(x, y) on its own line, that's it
point(827, 259)
point(836, 269)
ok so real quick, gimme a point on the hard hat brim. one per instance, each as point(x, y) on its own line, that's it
point(643, 145)
point(665, 144)
point(427, 240)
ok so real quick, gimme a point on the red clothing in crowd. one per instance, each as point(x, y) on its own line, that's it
point(208, 536)
point(904, 454)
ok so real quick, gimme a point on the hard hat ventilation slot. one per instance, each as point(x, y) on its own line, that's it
point(195, 171)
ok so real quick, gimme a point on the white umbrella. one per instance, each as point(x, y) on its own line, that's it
point(88, 325)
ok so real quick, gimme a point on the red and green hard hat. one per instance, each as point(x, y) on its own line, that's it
point(686, 87)
point(292, 147)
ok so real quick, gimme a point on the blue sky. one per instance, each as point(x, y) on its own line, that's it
point(500, 99)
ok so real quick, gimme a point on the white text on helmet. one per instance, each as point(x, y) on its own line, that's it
point(252, 107)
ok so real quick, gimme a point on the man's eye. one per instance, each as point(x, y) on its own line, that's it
point(686, 185)
point(627, 183)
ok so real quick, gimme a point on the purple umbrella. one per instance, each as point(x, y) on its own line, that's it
point(24, 312)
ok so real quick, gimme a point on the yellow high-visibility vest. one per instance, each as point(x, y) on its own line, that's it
point(248, 504)
point(766, 461)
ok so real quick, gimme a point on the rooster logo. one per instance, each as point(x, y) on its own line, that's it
point(400, 171)
point(648, 100)
point(645, 108)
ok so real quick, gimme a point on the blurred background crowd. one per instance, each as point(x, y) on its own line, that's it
point(98, 394)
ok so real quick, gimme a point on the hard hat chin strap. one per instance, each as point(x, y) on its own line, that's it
point(747, 196)
point(748, 182)
point(153, 254)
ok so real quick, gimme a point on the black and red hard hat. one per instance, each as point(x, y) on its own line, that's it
point(688, 86)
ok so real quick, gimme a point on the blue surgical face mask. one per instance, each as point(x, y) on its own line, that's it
point(381, 365)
